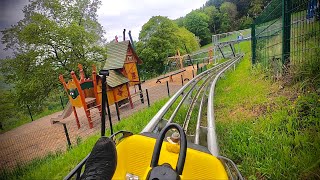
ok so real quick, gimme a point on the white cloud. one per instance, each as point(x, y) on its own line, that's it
point(114, 15)
point(132, 14)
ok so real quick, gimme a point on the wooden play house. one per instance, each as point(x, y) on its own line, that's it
point(117, 88)
point(123, 72)
point(123, 59)
point(82, 92)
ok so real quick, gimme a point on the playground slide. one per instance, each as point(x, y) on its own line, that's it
point(66, 113)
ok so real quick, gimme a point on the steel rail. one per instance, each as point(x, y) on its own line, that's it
point(155, 120)
point(193, 103)
point(211, 135)
point(197, 135)
point(185, 96)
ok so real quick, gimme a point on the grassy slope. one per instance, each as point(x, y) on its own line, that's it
point(268, 131)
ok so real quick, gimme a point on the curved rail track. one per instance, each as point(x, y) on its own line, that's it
point(192, 107)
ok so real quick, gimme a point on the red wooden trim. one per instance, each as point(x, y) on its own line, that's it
point(95, 88)
point(76, 115)
point(82, 97)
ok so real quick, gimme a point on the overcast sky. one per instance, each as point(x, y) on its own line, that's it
point(113, 15)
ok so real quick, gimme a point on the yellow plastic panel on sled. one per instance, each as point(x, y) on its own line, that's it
point(135, 153)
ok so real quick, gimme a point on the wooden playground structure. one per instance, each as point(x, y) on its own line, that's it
point(180, 62)
point(86, 93)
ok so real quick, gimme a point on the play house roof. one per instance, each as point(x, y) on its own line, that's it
point(115, 79)
point(117, 52)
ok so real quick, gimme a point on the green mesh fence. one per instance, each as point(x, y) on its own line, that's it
point(287, 32)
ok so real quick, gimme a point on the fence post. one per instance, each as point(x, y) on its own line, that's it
point(141, 94)
point(286, 31)
point(30, 112)
point(168, 89)
point(192, 73)
point(66, 133)
point(148, 97)
point(253, 43)
point(61, 102)
point(198, 68)
point(118, 112)
point(181, 80)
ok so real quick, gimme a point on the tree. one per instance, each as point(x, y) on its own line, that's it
point(214, 18)
point(179, 21)
point(52, 39)
point(216, 3)
point(256, 8)
point(197, 23)
point(186, 40)
point(229, 13)
point(161, 37)
point(245, 22)
point(7, 106)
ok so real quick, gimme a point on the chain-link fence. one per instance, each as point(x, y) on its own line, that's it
point(287, 32)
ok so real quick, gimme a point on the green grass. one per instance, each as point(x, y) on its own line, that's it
point(269, 132)
point(57, 166)
point(21, 115)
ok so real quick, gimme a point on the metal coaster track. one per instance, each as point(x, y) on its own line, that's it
point(200, 92)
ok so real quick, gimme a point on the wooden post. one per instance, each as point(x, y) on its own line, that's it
point(30, 112)
point(83, 99)
point(168, 89)
point(181, 80)
point(129, 95)
point(76, 115)
point(95, 89)
point(148, 97)
point(67, 134)
point(117, 110)
point(61, 103)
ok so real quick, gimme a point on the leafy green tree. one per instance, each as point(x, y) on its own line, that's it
point(256, 8)
point(53, 37)
point(229, 13)
point(7, 106)
point(216, 3)
point(161, 37)
point(197, 23)
point(179, 21)
point(245, 22)
point(186, 40)
point(214, 18)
